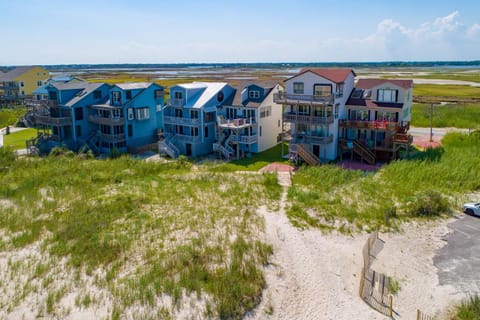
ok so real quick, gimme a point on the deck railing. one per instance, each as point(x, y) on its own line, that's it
point(381, 125)
point(244, 139)
point(106, 120)
point(53, 121)
point(286, 98)
point(182, 121)
point(300, 118)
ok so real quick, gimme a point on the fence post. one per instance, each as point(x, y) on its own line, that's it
point(391, 306)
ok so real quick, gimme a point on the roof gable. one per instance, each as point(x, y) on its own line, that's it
point(16, 72)
point(337, 75)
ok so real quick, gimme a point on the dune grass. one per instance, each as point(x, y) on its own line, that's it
point(451, 115)
point(254, 163)
point(17, 140)
point(139, 231)
point(330, 197)
point(449, 93)
point(469, 309)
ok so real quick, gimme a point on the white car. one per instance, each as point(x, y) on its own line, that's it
point(472, 208)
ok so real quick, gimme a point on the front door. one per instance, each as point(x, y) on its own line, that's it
point(188, 150)
point(316, 150)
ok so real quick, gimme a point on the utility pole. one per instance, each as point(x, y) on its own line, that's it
point(431, 122)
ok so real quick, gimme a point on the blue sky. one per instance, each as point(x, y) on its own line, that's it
point(148, 31)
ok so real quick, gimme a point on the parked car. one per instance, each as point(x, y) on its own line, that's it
point(472, 208)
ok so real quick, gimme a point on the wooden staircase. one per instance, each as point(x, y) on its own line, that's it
point(364, 153)
point(217, 147)
point(306, 155)
point(167, 146)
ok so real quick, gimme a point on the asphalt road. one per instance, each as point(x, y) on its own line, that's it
point(458, 262)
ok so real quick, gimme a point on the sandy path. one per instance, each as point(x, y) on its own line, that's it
point(312, 276)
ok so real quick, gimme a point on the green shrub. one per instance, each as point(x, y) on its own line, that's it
point(58, 151)
point(469, 309)
point(428, 203)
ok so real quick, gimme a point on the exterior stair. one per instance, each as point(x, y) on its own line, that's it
point(92, 140)
point(367, 155)
point(306, 155)
point(223, 151)
point(167, 146)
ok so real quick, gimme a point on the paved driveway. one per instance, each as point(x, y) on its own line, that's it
point(458, 262)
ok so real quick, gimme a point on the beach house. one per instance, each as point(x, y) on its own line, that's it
point(189, 118)
point(250, 121)
point(20, 82)
point(313, 102)
point(376, 120)
point(78, 114)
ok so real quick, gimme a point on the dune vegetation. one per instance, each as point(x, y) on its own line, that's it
point(125, 237)
point(429, 183)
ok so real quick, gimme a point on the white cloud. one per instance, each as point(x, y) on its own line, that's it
point(443, 38)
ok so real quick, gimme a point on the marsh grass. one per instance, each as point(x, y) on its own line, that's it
point(404, 189)
point(451, 115)
point(139, 230)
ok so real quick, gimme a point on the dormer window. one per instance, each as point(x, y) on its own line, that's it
point(387, 95)
point(254, 94)
point(128, 94)
point(116, 97)
point(178, 95)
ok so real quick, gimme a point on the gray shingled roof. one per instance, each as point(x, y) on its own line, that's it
point(89, 88)
point(266, 85)
point(134, 85)
point(14, 73)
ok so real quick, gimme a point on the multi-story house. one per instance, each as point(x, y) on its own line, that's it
point(313, 101)
point(64, 112)
point(20, 82)
point(189, 119)
point(79, 113)
point(376, 119)
point(250, 122)
point(129, 119)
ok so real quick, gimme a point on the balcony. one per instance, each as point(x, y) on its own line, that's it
point(239, 123)
point(176, 102)
point(53, 121)
point(106, 120)
point(309, 138)
point(182, 121)
point(287, 98)
point(52, 103)
point(188, 139)
point(307, 119)
point(113, 138)
point(244, 139)
point(377, 125)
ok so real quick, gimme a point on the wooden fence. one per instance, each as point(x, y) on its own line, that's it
point(423, 316)
point(373, 285)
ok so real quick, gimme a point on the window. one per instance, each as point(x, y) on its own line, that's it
point(279, 123)
point(78, 131)
point(387, 95)
point(303, 109)
point(194, 132)
point(194, 114)
point(128, 94)
point(116, 97)
point(260, 131)
point(52, 95)
point(322, 90)
point(142, 113)
point(22, 84)
point(335, 111)
point(254, 94)
point(206, 132)
point(97, 94)
point(78, 114)
point(178, 95)
point(357, 93)
point(298, 88)
point(130, 130)
point(23, 92)
point(265, 111)
point(39, 83)
point(157, 94)
point(340, 90)
point(130, 115)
